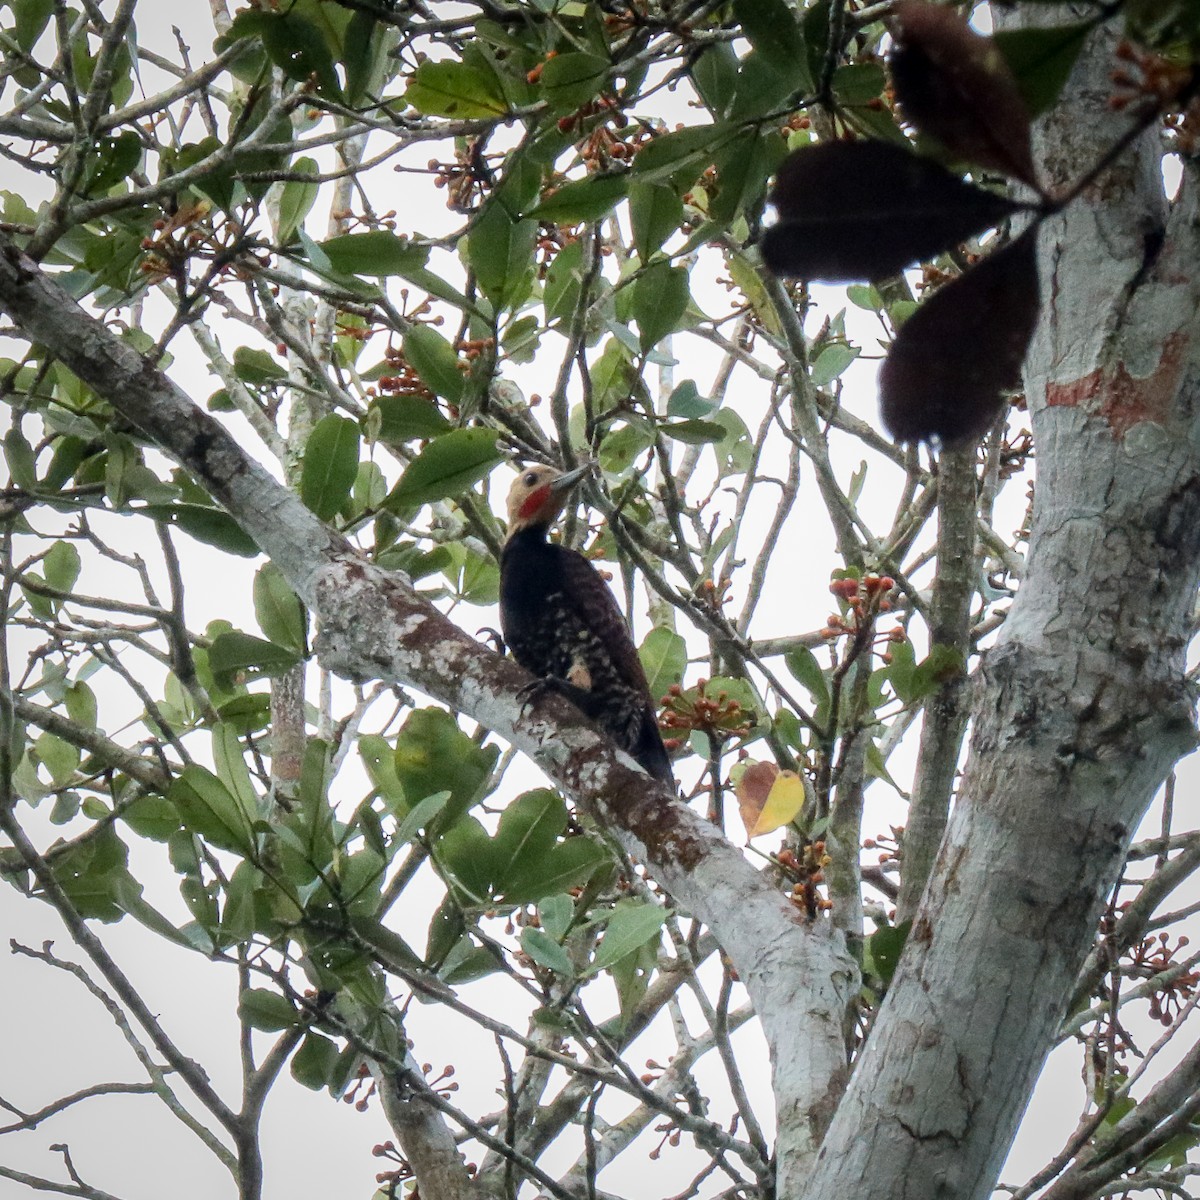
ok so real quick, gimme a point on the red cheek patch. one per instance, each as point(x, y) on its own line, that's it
point(535, 501)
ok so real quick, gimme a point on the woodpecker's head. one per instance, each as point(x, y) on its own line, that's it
point(538, 495)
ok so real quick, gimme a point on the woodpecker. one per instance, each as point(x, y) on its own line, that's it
point(561, 622)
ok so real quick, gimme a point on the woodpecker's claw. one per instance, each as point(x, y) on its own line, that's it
point(533, 691)
point(493, 637)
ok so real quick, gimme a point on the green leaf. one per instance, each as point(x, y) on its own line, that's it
point(564, 278)
point(655, 212)
point(582, 200)
point(315, 1062)
point(831, 362)
point(453, 89)
point(69, 453)
point(18, 453)
point(257, 367)
point(714, 72)
point(572, 79)
point(153, 817)
point(365, 56)
point(59, 757)
point(464, 854)
point(660, 298)
point(280, 614)
point(248, 713)
point(66, 808)
point(883, 949)
point(805, 669)
point(467, 963)
point(432, 755)
point(774, 32)
point(30, 20)
point(900, 670)
point(568, 864)
point(265, 1010)
point(682, 153)
point(685, 401)
point(61, 566)
point(296, 199)
point(857, 83)
point(117, 158)
point(1041, 60)
point(764, 86)
point(403, 418)
point(528, 828)
point(521, 339)
point(375, 252)
point(448, 466)
point(81, 704)
point(95, 877)
point(735, 452)
point(212, 526)
point(664, 657)
point(435, 360)
point(943, 664)
point(207, 807)
point(235, 657)
point(330, 465)
point(696, 433)
point(501, 253)
point(298, 48)
point(228, 758)
point(546, 952)
point(379, 760)
point(422, 816)
point(632, 924)
point(556, 914)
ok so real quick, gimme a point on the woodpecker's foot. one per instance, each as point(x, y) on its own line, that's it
point(532, 692)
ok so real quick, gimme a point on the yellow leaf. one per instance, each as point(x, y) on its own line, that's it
point(752, 782)
point(784, 801)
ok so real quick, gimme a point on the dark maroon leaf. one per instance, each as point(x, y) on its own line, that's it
point(947, 371)
point(956, 86)
point(864, 210)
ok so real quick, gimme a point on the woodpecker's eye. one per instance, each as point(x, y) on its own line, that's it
point(530, 478)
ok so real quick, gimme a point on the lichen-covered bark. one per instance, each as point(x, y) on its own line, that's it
point(1081, 709)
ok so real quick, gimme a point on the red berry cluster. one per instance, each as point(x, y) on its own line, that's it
point(394, 1178)
point(1154, 955)
point(719, 716)
point(806, 872)
point(864, 600)
point(467, 179)
point(351, 219)
point(714, 593)
point(887, 844)
point(1146, 76)
point(364, 1082)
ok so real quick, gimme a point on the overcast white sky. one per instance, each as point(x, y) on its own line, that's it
point(58, 1039)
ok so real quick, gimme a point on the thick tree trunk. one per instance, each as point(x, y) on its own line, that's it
point(1081, 708)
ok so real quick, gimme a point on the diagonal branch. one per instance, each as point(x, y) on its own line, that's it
point(374, 625)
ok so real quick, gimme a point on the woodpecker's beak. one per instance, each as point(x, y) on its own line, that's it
point(570, 478)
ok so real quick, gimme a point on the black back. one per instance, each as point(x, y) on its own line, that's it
point(558, 614)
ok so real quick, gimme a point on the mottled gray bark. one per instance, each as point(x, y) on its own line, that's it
point(945, 717)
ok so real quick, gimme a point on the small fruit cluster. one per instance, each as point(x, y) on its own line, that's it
point(719, 716)
point(864, 600)
point(806, 871)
